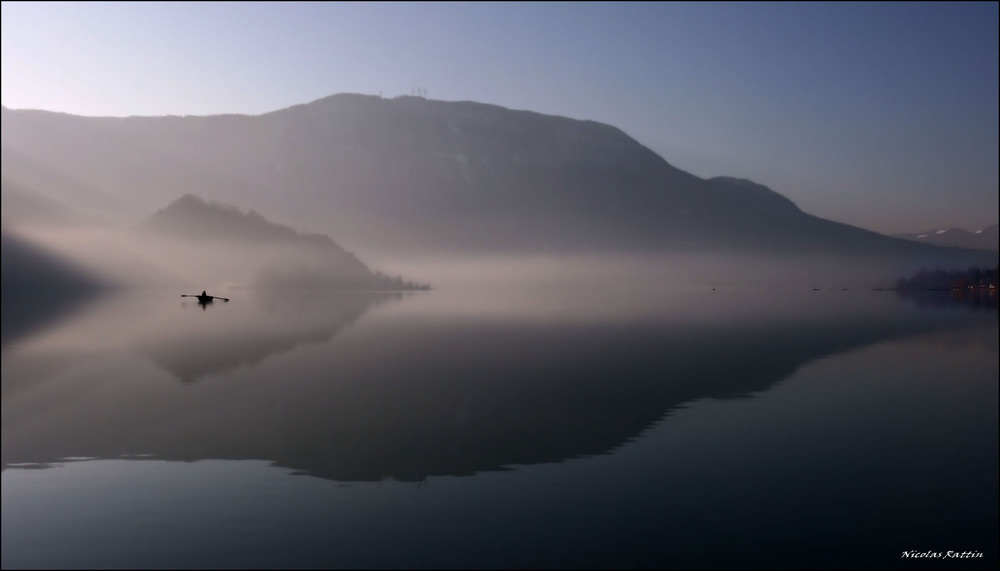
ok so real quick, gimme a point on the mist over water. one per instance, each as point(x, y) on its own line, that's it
point(451, 334)
point(125, 258)
point(681, 373)
point(543, 410)
point(577, 419)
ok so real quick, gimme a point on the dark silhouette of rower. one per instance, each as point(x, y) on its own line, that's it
point(205, 299)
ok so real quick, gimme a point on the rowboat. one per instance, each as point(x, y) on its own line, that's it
point(203, 297)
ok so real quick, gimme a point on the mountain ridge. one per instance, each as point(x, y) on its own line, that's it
point(987, 238)
point(417, 176)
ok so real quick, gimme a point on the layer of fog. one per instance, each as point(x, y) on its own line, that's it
point(126, 258)
point(649, 272)
point(134, 260)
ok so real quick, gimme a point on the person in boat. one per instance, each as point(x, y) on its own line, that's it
point(203, 297)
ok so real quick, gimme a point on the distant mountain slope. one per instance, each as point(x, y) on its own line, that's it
point(31, 270)
point(285, 256)
point(416, 176)
point(37, 286)
point(983, 239)
point(22, 205)
point(195, 218)
point(43, 180)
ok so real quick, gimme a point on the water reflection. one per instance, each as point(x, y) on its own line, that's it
point(192, 350)
point(26, 315)
point(974, 299)
point(418, 388)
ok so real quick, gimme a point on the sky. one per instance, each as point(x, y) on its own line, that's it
point(880, 115)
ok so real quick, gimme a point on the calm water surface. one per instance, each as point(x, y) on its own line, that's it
point(516, 428)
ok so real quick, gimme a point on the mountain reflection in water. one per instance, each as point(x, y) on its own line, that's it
point(219, 345)
point(590, 429)
point(431, 386)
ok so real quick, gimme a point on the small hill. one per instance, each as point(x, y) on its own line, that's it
point(284, 257)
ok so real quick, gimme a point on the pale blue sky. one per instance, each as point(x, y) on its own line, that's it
point(883, 115)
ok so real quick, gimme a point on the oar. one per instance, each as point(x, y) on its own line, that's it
point(211, 296)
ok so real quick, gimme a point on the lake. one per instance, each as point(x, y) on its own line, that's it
point(535, 427)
